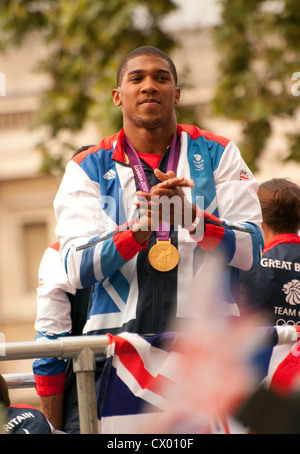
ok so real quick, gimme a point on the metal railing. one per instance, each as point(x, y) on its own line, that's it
point(82, 350)
point(19, 380)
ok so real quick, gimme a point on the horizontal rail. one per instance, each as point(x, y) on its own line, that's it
point(82, 350)
point(63, 347)
point(18, 381)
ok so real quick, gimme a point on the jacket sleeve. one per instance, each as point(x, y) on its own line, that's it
point(53, 320)
point(82, 224)
point(236, 232)
point(49, 373)
point(52, 298)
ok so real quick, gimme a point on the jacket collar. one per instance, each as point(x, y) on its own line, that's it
point(119, 153)
point(281, 239)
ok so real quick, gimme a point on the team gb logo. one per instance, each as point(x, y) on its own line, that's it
point(292, 291)
point(198, 161)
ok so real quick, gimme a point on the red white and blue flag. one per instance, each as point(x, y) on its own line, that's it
point(142, 389)
point(137, 373)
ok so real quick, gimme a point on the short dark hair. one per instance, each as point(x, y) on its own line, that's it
point(4, 395)
point(280, 203)
point(145, 50)
point(83, 148)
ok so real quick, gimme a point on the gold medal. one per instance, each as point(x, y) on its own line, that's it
point(163, 256)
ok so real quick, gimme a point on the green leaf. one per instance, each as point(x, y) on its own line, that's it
point(259, 52)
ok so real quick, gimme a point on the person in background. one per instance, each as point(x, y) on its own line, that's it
point(273, 289)
point(61, 311)
point(21, 418)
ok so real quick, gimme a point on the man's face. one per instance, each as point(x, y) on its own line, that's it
point(147, 92)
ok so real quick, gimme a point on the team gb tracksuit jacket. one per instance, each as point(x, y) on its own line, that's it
point(94, 202)
point(97, 196)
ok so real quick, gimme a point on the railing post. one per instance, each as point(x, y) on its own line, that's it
point(81, 349)
point(84, 367)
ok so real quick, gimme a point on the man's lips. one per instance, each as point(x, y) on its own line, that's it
point(149, 101)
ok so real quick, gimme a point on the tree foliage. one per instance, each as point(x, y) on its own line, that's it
point(258, 42)
point(86, 40)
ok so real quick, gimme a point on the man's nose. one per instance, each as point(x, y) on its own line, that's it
point(149, 85)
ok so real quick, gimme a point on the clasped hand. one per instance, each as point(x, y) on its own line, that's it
point(166, 202)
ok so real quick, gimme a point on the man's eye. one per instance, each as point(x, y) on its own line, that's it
point(163, 78)
point(135, 79)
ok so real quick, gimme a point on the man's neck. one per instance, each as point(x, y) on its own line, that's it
point(149, 141)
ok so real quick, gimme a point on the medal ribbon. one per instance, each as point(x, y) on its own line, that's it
point(163, 231)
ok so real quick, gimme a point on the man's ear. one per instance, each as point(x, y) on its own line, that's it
point(116, 97)
point(177, 96)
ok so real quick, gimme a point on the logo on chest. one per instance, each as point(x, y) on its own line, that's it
point(292, 291)
point(198, 162)
point(110, 175)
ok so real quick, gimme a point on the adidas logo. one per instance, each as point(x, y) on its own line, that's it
point(110, 175)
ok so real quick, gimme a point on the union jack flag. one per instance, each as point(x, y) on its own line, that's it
point(244, 175)
point(150, 384)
